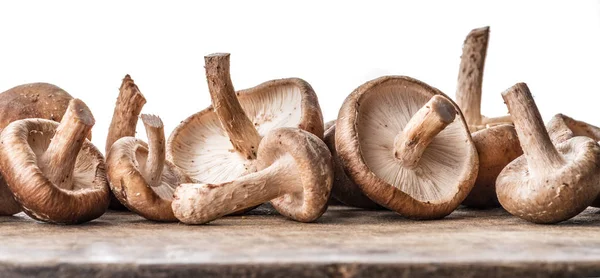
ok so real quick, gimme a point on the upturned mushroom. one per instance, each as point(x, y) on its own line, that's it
point(495, 138)
point(35, 100)
point(547, 184)
point(294, 173)
point(219, 144)
point(344, 189)
point(55, 174)
point(562, 128)
point(124, 121)
point(139, 175)
point(407, 146)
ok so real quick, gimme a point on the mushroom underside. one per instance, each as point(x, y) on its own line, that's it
point(202, 149)
point(442, 165)
point(169, 179)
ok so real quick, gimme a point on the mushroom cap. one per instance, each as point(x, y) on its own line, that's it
point(558, 194)
point(344, 189)
point(200, 147)
point(22, 143)
point(561, 128)
point(368, 122)
point(313, 163)
point(35, 100)
point(125, 160)
point(497, 146)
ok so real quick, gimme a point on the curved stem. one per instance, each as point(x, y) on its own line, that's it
point(58, 161)
point(127, 109)
point(432, 118)
point(470, 75)
point(537, 147)
point(202, 203)
point(155, 162)
point(244, 137)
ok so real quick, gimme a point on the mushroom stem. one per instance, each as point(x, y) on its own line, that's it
point(432, 118)
point(470, 75)
point(241, 131)
point(155, 162)
point(216, 200)
point(537, 147)
point(127, 109)
point(58, 161)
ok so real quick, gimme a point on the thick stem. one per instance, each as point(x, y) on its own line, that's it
point(432, 118)
point(58, 161)
point(470, 75)
point(242, 133)
point(539, 151)
point(125, 116)
point(247, 191)
point(155, 162)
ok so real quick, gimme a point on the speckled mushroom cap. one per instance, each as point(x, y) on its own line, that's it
point(312, 162)
point(368, 122)
point(131, 179)
point(79, 196)
point(35, 100)
point(200, 147)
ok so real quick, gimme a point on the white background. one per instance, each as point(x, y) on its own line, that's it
point(86, 48)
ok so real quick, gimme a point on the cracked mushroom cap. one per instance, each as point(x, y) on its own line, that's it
point(200, 147)
point(55, 174)
point(135, 177)
point(35, 100)
point(368, 123)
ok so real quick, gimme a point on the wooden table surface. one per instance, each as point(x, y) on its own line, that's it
point(345, 242)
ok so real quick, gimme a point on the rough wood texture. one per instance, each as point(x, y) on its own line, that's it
point(343, 243)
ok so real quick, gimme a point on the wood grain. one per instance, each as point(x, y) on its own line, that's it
point(343, 243)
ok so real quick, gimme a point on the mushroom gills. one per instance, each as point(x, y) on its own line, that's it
point(378, 125)
point(207, 155)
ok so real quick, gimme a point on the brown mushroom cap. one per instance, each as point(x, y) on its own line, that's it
point(201, 147)
point(547, 184)
point(344, 189)
point(55, 174)
point(562, 128)
point(295, 173)
point(139, 175)
point(496, 146)
point(369, 121)
point(35, 100)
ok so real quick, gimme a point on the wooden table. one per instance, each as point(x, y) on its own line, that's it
point(343, 243)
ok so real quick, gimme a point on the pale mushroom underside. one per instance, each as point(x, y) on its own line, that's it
point(381, 117)
point(84, 173)
point(169, 180)
point(202, 148)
